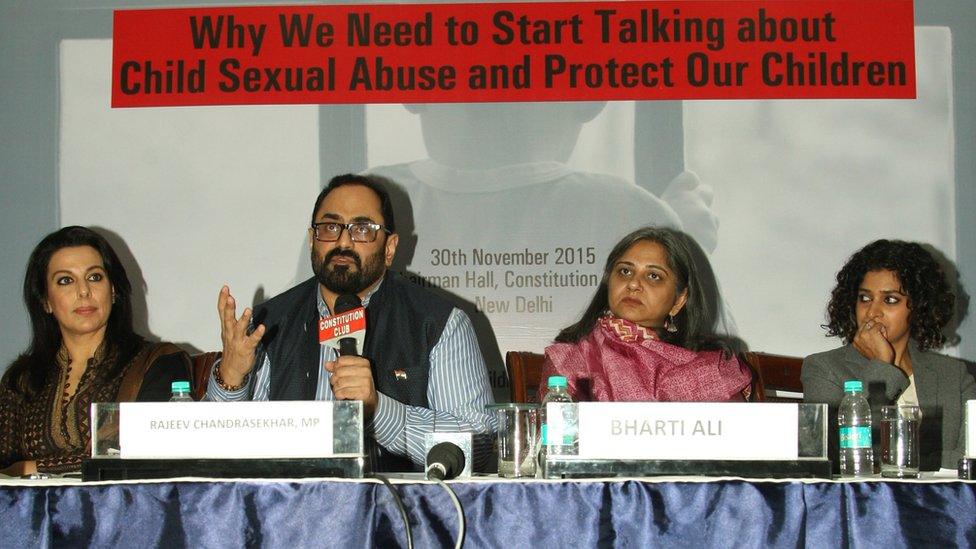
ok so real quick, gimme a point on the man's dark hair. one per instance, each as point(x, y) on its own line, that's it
point(372, 182)
point(930, 299)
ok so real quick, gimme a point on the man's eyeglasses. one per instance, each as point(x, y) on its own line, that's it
point(359, 231)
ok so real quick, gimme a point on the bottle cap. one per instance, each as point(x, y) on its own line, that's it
point(557, 381)
point(853, 385)
point(180, 386)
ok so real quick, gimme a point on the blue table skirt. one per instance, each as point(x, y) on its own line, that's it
point(726, 513)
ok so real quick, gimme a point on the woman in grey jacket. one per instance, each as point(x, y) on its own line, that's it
point(890, 305)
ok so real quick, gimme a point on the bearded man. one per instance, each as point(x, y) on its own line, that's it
point(420, 366)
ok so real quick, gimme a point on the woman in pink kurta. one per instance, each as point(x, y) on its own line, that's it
point(649, 332)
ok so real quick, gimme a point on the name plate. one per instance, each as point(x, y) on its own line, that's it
point(150, 430)
point(688, 430)
point(970, 428)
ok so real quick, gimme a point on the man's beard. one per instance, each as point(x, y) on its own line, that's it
point(341, 279)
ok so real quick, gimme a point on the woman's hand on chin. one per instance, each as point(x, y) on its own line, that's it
point(871, 341)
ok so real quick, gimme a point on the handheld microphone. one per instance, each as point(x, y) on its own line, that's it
point(346, 329)
point(345, 303)
point(445, 461)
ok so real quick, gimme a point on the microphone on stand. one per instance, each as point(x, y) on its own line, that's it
point(445, 461)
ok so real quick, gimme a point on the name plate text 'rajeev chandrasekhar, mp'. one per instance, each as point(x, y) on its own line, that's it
point(226, 430)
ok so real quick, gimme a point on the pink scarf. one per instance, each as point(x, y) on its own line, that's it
point(626, 330)
point(621, 361)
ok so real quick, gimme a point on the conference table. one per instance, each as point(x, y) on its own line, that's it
point(936, 510)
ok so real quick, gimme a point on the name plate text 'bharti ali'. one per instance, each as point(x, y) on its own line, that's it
point(687, 430)
point(151, 430)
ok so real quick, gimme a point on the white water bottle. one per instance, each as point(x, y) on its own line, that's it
point(559, 436)
point(180, 392)
point(854, 422)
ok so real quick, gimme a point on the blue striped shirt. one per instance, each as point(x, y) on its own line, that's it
point(457, 393)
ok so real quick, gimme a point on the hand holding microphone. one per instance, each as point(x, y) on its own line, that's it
point(352, 379)
point(351, 375)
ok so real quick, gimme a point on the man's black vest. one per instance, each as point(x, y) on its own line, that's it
point(403, 324)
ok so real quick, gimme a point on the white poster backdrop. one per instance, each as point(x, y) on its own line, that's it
point(798, 186)
point(190, 191)
point(513, 214)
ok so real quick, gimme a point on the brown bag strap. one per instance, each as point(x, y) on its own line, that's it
point(132, 380)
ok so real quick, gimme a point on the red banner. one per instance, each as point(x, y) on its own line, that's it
point(427, 53)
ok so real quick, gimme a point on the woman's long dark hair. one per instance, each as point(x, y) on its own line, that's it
point(33, 369)
point(930, 299)
point(696, 321)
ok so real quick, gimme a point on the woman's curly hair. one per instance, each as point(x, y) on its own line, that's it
point(930, 300)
